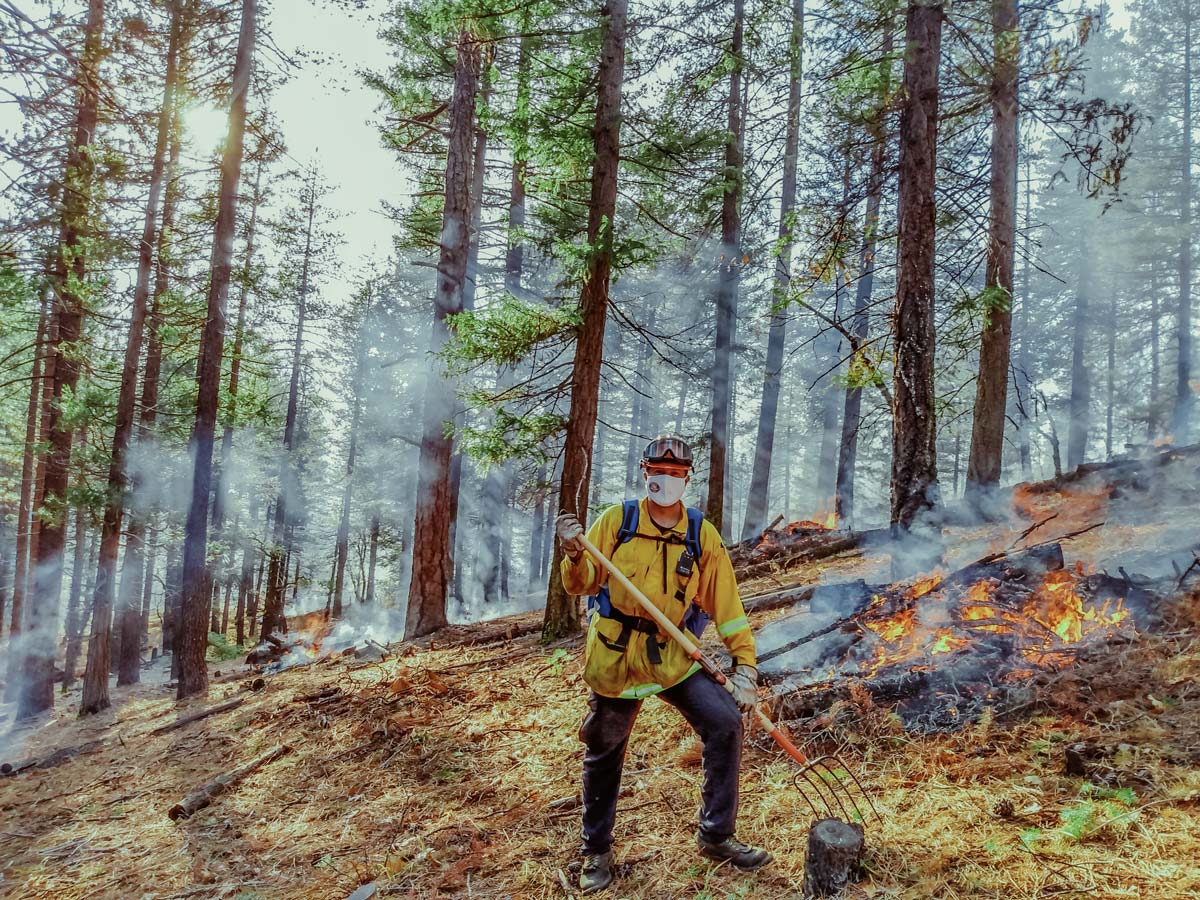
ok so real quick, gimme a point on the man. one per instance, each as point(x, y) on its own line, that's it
point(679, 562)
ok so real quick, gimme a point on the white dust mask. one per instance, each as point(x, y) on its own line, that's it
point(664, 490)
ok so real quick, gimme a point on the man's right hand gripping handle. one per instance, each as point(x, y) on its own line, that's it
point(569, 531)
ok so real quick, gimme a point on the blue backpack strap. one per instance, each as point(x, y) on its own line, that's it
point(600, 602)
point(695, 619)
point(630, 513)
point(691, 540)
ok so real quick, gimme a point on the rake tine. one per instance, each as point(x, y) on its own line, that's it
point(836, 789)
point(844, 772)
point(813, 778)
point(835, 775)
point(804, 796)
point(861, 790)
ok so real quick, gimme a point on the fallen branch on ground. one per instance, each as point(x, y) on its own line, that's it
point(197, 716)
point(57, 758)
point(205, 794)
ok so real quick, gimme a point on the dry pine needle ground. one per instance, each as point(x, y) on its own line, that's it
point(454, 773)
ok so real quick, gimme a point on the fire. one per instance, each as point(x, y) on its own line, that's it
point(923, 584)
point(946, 641)
point(1058, 607)
point(1052, 616)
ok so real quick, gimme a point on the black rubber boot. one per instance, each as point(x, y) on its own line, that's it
point(596, 873)
point(739, 855)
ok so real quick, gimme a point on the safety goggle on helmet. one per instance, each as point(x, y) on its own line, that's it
point(669, 455)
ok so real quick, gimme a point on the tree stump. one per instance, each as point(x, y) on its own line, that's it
point(832, 860)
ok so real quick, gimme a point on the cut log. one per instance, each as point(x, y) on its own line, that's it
point(57, 758)
point(831, 864)
point(201, 714)
point(205, 794)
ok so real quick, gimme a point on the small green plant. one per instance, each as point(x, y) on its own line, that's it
point(220, 649)
point(556, 660)
point(1099, 808)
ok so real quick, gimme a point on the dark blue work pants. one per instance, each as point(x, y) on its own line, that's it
point(711, 712)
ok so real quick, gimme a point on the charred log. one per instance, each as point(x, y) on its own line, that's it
point(831, 863)
point(49, 761)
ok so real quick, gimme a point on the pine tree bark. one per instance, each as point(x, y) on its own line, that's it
point(246, 581)
point(221, 494)
point(562, 612)
point(1110, 373)
point(914, 440)
point(192, 641)
point(95, 679)
point(435, 506)
point(860, 323)
point(74, 613)
point(343, 535)
point(1023, 376)
point(369, 592)
point(36, 692)
point(991, 387)
point(727, 286)
point(25, 502)
point(141, 514)
point(1182, 416)
point(277, 569)
point(1081, 388)
point(758, 498)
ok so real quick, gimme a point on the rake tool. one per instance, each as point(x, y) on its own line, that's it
point(825, 777)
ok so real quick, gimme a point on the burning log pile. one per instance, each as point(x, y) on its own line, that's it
point(943, 647)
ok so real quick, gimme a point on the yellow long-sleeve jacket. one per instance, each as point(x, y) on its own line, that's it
point(650, 563)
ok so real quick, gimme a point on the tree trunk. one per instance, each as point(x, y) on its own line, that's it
point(343, 536)
point(764, 446)
point(537, 571)
point(432, 563)
point(860, 325)
point(991, 387)
point(95, 681)
point(1182, 416)
point(1152, 423)
point(562, 612)
point(277, 570)
point(1111, 375)
point(643, 396)
point(727, 286)
point(914, 440)
point(36, 693)
point(1081, 389)
point(20, 564)
point(193, 639)
point(140, 513)
point(74, 613)
point(246, 582)
point(369, 591)
point(1023, 377)
point(171, 591)
point(147, 594)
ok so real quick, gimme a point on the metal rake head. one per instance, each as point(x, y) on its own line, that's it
point(825, 784)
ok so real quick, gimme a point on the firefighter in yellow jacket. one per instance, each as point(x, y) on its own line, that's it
point(679, 562)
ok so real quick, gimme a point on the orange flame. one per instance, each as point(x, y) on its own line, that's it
point(1064, 615)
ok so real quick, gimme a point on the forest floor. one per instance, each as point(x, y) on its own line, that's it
point(452, 771)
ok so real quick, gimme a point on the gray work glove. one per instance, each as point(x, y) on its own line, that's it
point(742, 684)
point(568, 530)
